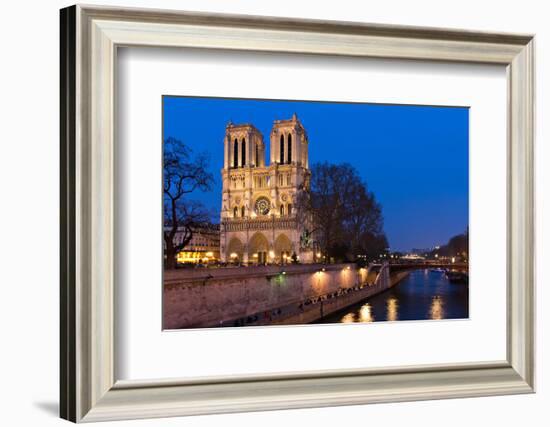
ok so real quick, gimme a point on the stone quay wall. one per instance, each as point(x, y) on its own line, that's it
point(212, 297)
point(324, 307)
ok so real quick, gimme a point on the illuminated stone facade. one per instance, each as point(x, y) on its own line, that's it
point(204, 246)
point(258, 214)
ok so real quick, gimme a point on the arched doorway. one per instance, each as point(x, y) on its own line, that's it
point(283, 248)
point(258, 249)
point(235, 250)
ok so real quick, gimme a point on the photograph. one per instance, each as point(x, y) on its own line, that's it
point(292, 212)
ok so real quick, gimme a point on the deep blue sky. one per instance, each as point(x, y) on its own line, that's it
point(414, 158)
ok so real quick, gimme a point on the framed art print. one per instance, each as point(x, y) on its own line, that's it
point(263, 213)
point(292, 232)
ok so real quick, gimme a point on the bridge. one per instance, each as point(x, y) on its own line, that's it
point(420, 265)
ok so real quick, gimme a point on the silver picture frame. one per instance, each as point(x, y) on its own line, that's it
point(90, 391)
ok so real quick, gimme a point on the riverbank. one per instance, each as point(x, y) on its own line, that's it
point(246, 296)
point(325, 307)
point(421, 295)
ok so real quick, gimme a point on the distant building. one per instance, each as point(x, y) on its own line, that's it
point(413, 257)
point(420, 251)
point(203, 247)
point(258, 213)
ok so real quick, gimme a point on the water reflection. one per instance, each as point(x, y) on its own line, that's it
point(348, 318)
point(365, 314)
point(392, 306)
point(436, 309)
point(424, 295)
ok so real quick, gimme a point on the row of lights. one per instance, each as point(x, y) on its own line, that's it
point(283, 273)
point(234, 255)
point(271, 254)
point(347, 268)
point(208, 256)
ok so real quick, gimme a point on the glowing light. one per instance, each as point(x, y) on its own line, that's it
point(209, 254)
point(192, 257)
point(318, 254)
point(365, 314)
point(453, 260)
point(233, 255)
point(392, 307)
point(348, 318)
point(271, 254)
point(437, 311)
point(255, 255)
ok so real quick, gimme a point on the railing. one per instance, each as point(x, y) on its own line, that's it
point(383, 276)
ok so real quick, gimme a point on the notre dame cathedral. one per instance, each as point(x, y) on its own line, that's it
point(259, 222)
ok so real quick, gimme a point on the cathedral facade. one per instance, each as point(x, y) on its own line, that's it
point(259, 221)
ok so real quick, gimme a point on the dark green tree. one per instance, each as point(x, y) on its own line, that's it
point(457, 246)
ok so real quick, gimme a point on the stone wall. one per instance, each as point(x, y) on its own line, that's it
point(378, 282)
point(207, 297)
point(318, 310)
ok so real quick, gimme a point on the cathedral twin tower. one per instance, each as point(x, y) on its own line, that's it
point(259, 224)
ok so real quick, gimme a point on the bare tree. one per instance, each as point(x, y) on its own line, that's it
point(372, 246)
point(322, 206)
point(342, 213)
point(183, 174)
point(364, 224)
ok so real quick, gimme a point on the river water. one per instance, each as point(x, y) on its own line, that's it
point(423, 295)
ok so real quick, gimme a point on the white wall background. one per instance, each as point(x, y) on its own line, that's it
point(29, 168)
